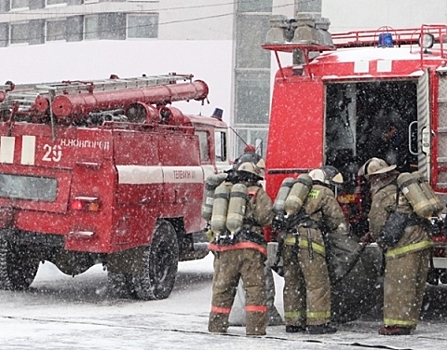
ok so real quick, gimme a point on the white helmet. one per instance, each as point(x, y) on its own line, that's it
point(327, 175)
point(376, 166)
point(250, 168)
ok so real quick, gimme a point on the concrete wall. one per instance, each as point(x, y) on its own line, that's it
point(179, 20)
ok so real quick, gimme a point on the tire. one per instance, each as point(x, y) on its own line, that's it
point(159, 266)
point(120, 285)
point(18, 266)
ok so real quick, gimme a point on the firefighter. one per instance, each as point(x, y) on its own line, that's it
point(307, 289)
point(273, 316)
point(407, 261)
point(242, 255)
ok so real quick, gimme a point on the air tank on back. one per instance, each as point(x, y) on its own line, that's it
point(298, 194)
point(410, 187)
point(211, 184)
point(236, 207)
point(220, 208)
point(428, 191)
point(284, 190)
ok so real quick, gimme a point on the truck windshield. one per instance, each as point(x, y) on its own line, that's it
point(28, 187)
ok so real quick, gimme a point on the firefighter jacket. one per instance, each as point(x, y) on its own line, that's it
point(325, 212)
point(306, 294)
point(384, 201)
point(242, 257)
point(258, 214)
point(407, 261)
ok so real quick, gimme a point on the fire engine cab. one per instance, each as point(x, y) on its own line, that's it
point(105, 171)
point(340, 99)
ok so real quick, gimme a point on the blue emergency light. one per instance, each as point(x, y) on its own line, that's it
point(385, 40)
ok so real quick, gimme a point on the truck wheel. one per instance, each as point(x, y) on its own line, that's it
point(120, 285)
point(160, 263)
point(18, 266)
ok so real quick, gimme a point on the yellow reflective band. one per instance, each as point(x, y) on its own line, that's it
point(408, 248)
point(294, 314)
point(390, 322)
point(313, 194)
point(319, 315)
point(290, 240)
point(304, 243)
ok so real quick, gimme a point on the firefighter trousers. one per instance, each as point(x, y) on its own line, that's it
point(229, 267)
point(404, 286)
point(306, 294)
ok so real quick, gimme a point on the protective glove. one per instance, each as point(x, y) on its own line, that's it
point(367, 239)
point(210, 235)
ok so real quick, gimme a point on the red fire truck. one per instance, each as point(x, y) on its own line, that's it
point(105, 171)
point(341, 99)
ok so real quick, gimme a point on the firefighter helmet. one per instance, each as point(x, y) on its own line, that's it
point(332, 173)
point(376, 166)
point(328, 175)
point(261, 164)
point(249, 148)
point(250, 157)
point(251, 169)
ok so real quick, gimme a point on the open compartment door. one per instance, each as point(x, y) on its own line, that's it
point(424, 129)
point(440, 177)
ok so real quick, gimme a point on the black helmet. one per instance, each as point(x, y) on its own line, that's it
point(250, 158)
point(333, 175)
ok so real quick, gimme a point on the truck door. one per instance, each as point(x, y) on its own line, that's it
point(440, 178)
point(295, 141)
point(423, 125)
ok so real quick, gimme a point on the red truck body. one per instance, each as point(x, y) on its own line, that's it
point(95, 172)
point(340, 90)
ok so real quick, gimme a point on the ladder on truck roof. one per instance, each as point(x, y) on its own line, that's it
point(24, 95)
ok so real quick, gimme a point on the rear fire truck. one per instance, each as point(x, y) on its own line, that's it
point(107, 172)
point(340, 98)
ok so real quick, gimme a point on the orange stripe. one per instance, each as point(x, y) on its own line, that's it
point(256, 308)
point(221, 310)
point(240, 245)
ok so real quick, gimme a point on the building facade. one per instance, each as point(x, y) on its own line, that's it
point(243, 23)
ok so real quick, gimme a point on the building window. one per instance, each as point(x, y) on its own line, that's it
point(19, 33)
point(56, 30)
point(254, 136)
point(91, 27)
point(56, 2)
point(142, 26)
point(19, 4)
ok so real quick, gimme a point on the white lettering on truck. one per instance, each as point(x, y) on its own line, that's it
point(144, 174)
point(85, 144)
point(52, 153)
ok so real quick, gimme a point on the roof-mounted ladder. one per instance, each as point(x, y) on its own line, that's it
point(24, 96)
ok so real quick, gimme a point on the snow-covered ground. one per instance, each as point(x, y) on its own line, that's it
point(61, 312)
